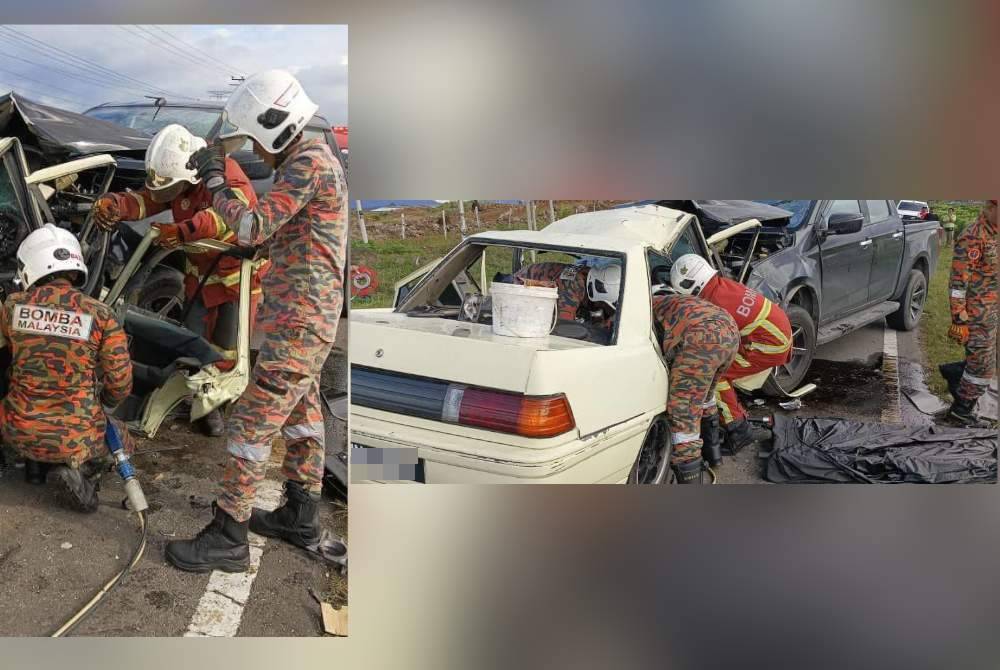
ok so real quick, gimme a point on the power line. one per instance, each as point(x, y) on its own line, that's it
point(45, 85)
point(160, 43)
point(198, 49)
point(47, 50)
point(87, 78)
point(74, 62)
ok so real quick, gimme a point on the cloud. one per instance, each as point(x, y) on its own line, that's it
point(124, 63)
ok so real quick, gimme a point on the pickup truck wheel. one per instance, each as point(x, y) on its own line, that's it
point(911, 306)
point(163, 292)
point(654, 454)
point(788, 377)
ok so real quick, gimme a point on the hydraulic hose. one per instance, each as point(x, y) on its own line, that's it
point(92, 604)
point(136, 501)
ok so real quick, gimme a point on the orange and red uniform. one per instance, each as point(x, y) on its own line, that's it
point(765, 337)
point(197, 220)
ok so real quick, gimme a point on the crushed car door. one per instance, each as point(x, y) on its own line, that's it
point(19, 213)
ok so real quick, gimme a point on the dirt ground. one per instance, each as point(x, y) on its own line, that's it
point(52, 560)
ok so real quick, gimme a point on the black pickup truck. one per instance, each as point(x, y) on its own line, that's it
point(834, 265)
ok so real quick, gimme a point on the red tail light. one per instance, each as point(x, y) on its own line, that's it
point(530, 416)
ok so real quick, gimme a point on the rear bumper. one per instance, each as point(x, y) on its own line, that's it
point(470, 456)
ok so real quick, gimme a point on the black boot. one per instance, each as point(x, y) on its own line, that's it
point(711, 440)
point(221, 545)
point(73, 489)
point(688, 472)
point(297, 521)
point(212, 424)
point(964, 412)
point(34, 472)
point(741, 434)
point(952, 373)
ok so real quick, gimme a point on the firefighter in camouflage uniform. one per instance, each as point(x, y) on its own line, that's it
point(973, 315)
point(303, 221)
point(212, 312)
point(69, 361)
point(699, 342)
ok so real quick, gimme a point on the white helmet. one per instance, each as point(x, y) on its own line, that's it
point(270, 107)
point(46, 251)
point(690, 273)
point(603, 284)
point(166, 161)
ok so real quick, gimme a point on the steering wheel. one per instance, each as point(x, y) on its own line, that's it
point(659, 274)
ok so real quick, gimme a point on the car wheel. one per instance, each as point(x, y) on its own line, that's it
point(790, 375)
point(653, 461)
point(163, 293)
point(911, 306)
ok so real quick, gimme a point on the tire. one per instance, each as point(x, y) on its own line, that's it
point(163, 284)
point(649, 460)
point(911, 306)
point(789, 376)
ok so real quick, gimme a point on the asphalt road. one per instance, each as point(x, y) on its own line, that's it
point(52, 560)
point(852, 385)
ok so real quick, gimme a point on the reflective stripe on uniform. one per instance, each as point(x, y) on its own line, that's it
point(976, 381)
point(142, 203)
point(761, 321)
point(303, 431)
point(257, 453)
point(958, 293)
point(681, 438)
point(245, 232)
point(742, 362)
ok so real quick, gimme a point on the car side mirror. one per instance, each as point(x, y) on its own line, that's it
point(844, 223)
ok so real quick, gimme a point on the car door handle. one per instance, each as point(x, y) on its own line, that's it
point(866, 243)
point(897, 235)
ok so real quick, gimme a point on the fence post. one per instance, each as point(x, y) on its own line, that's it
point(361, 224)
point(478, 224)
point(402, 221)
point(461, 218)
point(527, 213)
point(552, 212)
point(444, 223)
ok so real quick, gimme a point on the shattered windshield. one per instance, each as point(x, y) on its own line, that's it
point(800, 210)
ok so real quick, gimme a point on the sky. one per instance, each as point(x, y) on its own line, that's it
point(77, 67)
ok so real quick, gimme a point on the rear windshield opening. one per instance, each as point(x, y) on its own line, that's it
point(589, 287)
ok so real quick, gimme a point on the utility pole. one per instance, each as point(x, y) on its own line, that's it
point(552, 212)
point(402, 221)
point(361, 223)
point(444, 223)
point(479, 225)
point(461, 218)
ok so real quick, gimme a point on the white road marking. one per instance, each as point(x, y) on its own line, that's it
point(891, 413)
point(221, 606)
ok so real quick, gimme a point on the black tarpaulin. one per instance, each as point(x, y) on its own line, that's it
point(60, 133)
point(838, 450)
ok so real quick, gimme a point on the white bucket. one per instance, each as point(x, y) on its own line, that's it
point(523, 311)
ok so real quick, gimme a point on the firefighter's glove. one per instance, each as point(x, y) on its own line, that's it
point(959, 333)
point(210, 164)
point(107, 211)
point(170, 235)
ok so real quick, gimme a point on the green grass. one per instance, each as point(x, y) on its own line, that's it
point(966, 211)
point(934, 327)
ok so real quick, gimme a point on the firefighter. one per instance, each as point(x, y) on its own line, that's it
point(765, 339)
point(212, 312)
point(69, 361)
point(578, 286)
point(303, 221)
point(699, 342)
point(973, 314)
